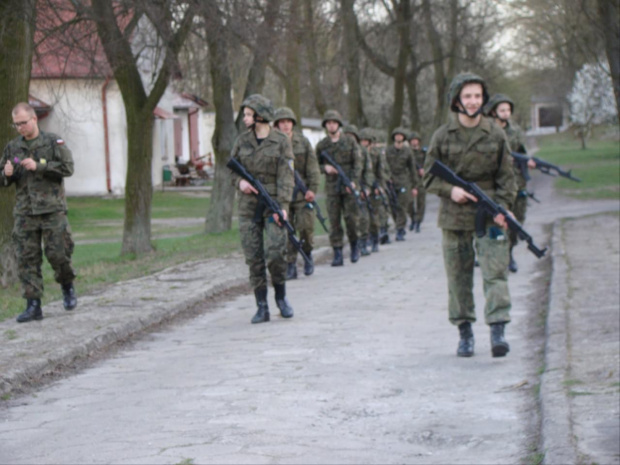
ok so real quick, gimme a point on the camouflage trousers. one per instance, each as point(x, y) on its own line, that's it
point(458, 255)
point(53, 230)
point(404, 199)
point(519, 208)
point(363, 221)
point(420, 205)
point(302, 219)
point(379, 218)
point(338, 206)
point(262, 253)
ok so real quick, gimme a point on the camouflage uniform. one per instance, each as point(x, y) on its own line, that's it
point(380, 174)
point(404, 176)
point(40, 209)
point(419, 156)
point(339, 202)
point(481, 155)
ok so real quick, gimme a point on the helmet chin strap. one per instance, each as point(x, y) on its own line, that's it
point(461, 109)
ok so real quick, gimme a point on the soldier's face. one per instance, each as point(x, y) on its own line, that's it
point(415, 144)
point(286, 126)
point(332, 126)
point(26, 124)
point(248, 117)
point(365, 142)
point(503, 111)
point(471, 97)
point(398, 140)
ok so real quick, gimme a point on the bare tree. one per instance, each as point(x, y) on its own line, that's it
point(609, 12)
point(351, 57)
point(310, 40)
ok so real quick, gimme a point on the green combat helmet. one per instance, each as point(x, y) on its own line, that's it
point(414, 135)
point(400, 130)
point(352, 129)
point(367, 134)
point(496, 100)
point(285, 113)
point(262, 106)
point(332, 115)
point(455, 90)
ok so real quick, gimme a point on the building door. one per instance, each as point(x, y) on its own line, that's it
point(178, 139)
point(193, 135)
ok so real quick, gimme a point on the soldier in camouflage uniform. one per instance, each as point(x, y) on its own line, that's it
point(301, 212)
point(419, 155)
point(37, 162)
point(501, 107)
point(377, 198)
point(476, 150)
point(404, 177)
point(340, 201)
point(367, 180)
point(267, 154)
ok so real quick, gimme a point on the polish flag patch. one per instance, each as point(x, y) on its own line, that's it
point(60, 142)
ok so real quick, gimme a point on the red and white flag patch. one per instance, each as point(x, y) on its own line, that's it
point(60, 142)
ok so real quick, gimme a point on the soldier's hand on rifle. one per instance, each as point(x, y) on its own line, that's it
point(459, 195)
point(246, 187)
point(500, 219)
point(29, 164)
point(8, 169)
point(329, 169)
point(276, 218)
point(531, 164)
point(414, 192)
point(352, 185)
point(421, 172)
point(309, 196)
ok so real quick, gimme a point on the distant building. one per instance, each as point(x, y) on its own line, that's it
point(548, 115)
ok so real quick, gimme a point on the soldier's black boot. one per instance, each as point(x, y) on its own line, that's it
point(466, 344)
point(417, 227)
point(499, 346)
point(285, 308)
point(385, 237)
point(33, 311)
point(412, 225)
point(400, 234)
point(364, 248)
point(375, 243)
point(262, 312)
point(308, 266)
point(512, 266)
point(69, 299)
point(355, 251)
point(291, 271)
point(337, 261)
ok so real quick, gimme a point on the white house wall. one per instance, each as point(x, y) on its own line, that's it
point(206, 128)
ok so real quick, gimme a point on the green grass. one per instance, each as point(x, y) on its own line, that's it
point(598, 166)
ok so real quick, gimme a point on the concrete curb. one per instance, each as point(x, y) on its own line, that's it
point(556, 430)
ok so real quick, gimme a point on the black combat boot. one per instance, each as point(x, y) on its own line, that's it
point(512, 266)
point(466, 344)
point(417, 226)
point(33, 311)
point(412, 226)
point(375, 243)
point(355, 251)
point(499, 346)
point(400, 234)
point(285, 308)
point(364, 247)
point(308, 266)
point(262, 313)
point(69, 299)
point(337, 261)
point(291, 271)
point(385, 237)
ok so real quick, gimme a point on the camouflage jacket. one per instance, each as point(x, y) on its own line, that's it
point(419, 156)
point(306, 163)
point(368, 176)
point(402, 167)
point(41, 191)
point(347, 154)
point(484, 159)
point(271, 162)
point(380, 167)
point(517, 144)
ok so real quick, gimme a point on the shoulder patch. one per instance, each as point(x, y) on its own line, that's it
point(60, 142)
point(291, 164)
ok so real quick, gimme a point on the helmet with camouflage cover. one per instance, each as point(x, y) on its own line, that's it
point(352, 129)
point(332, 115)
point(400, 130)
point(262, 106)
point(284, 113)
point(457, 85)
point(414, 135)
point(495, 101)
point(367, 134)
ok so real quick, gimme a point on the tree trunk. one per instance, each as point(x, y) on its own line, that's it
point(609, 12)
point(219, 215)
point(403, 23)
point(293, 49)
point(351, 54)
point(412, 92)
point(16, 49)
point(437, 52)
point(313, 61)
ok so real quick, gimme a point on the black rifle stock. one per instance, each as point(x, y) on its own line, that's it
point(343, 177)
point(392, 197)
point(234, 165)
point(541, 165)
point(301, 186)
point(485, 206)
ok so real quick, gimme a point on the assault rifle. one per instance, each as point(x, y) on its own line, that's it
point(234, 165)
point(371, 211)
point(392, 197)
point(301, 187)
point(343, 178)
point(486, 206)
point(545, 167)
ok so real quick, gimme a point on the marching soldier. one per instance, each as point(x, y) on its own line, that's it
point(476, 150)
point(404, 178)
point(340, 200)
point(302, 213)
point(37, 162)
point(501, 107)
point(267, 154)
point(419, 155)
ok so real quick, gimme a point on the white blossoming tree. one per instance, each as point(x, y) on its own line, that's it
point(591, 99)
